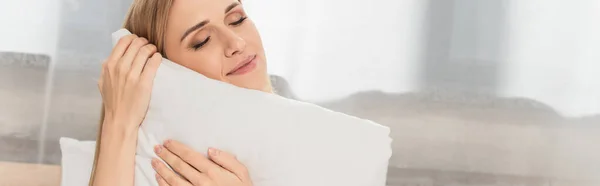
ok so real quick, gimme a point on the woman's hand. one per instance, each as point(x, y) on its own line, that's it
point(220, 169)
point(126, 81)
point(125, 85)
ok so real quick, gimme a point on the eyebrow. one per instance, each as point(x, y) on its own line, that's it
point(231, 6)
point(201, 24)
point(191, 29)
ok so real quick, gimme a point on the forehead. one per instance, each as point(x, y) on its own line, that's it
point(201, 9)
point(186, 13)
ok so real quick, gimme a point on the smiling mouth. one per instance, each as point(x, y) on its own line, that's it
point(247, 66)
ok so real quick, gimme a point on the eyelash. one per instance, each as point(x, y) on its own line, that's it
point(197, 46)
point(236, 23)
point(239, 22)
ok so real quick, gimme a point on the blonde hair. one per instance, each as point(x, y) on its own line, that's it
point(147, 19)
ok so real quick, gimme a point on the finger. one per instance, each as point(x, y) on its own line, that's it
point(181, 167)
point(120, 49)
point(160, 180)
point(190, 156)
point(140, 60)
point(149, 70)
point(125, 62)
point(132, 51)
point(229, 162)
point(102, 76)
point(167, 174)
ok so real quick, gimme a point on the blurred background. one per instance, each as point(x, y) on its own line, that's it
point(476, 92)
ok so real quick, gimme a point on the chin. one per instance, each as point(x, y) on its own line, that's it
point(256, 81)
point(261, 85)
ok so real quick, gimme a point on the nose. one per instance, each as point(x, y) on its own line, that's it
point(234, 44)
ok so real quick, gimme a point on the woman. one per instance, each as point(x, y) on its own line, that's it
point(212, 37)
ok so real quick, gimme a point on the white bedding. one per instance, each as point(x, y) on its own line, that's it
point(282, 142)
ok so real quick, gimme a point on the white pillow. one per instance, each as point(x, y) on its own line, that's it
point(281, 141)
point(77, 161)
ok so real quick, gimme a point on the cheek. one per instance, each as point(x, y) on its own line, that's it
point(250, 35)
point(254, 41)
point(208, 63)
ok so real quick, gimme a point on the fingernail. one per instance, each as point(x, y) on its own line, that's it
point(167, 142)
point(154, 163)
point(157, 149)
point(213, 152)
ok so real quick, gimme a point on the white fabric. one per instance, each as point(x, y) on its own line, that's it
point(550, 54)
point(77, 161)
point(355, 45)
point(281, 141)
point(20, 32)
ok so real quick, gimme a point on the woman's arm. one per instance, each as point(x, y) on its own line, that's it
point(116, 157)
point(125, 84)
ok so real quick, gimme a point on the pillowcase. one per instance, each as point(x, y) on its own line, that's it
point(281, 141)
point(77, 160)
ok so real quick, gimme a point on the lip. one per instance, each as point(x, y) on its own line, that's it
point(243, 67)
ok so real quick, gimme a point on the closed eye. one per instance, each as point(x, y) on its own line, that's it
point(199, 45)
point(238, 22)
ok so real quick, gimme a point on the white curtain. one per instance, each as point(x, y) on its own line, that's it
point(554, 54)
point(547, 50)
point(330, 49)
point(30, 26)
